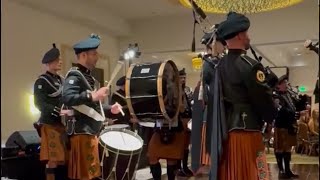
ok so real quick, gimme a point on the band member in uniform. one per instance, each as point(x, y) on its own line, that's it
point(215, 51)
point(285, 133)
point(185, 116)
point(166, 143)
point(119, 97)
point(79, 94)
point(247, 104)
point(47, 98)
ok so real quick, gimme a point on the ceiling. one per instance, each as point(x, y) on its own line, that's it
point(142, 9)
point(117, 16)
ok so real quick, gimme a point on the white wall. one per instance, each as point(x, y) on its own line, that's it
point(26, 35)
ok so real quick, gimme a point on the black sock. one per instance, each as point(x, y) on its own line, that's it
point(279, 158)
point(170, 171)
point(156, 171)
point(287, 159)
point(179, 164)
point(185, 159)
point(61, 173)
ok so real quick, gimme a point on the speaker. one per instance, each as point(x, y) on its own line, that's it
point(25, 140)
point(27, 167)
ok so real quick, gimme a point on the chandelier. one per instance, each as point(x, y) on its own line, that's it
point(240, 6)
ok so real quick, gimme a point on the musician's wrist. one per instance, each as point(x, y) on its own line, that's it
point(93, 97)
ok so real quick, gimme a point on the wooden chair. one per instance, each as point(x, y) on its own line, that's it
point(303, 138)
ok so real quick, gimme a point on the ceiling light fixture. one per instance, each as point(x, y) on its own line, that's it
point(240, 6)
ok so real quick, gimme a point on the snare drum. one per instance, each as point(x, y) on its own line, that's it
point(153, 91)
point(120, 151)
point(117, 126)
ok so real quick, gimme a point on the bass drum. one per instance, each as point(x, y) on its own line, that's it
point(153, 91)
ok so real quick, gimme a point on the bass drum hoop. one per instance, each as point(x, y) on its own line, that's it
point(159, 90)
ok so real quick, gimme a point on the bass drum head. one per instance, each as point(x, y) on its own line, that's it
point(170, 86)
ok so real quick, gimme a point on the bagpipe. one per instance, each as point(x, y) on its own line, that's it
point(313, 47)
point(299, 100)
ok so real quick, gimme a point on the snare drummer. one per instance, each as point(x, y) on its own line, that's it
point(79, 89)
point(185, 116)
point(47, 98)
point(119, 97)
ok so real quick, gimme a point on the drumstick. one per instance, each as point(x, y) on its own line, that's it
point(123, 138)
point(115, 72)
point(120, 109)
point(119, 95)
point(102, 111)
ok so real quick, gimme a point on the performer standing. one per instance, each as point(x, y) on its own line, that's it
point(79, 93)
point(247, 104)
point(119, 97)
point(185, 116)
point(285, 133)
point(47, 98)
point(199, 152)
point(167, 143)
point(211, 60)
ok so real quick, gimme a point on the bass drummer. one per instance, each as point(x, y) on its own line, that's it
point(79, 93)
point(171, 144)
point(166, 144)
point(185, 116)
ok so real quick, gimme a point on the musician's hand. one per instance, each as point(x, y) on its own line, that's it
point(100, 94)
point(110, 122)
point(134, 121)
point(116, 108)
point(65, 112)
point(307, 43)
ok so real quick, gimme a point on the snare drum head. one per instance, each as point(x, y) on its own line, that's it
point(117, 126)
point(147, 124)
point(121, 140)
